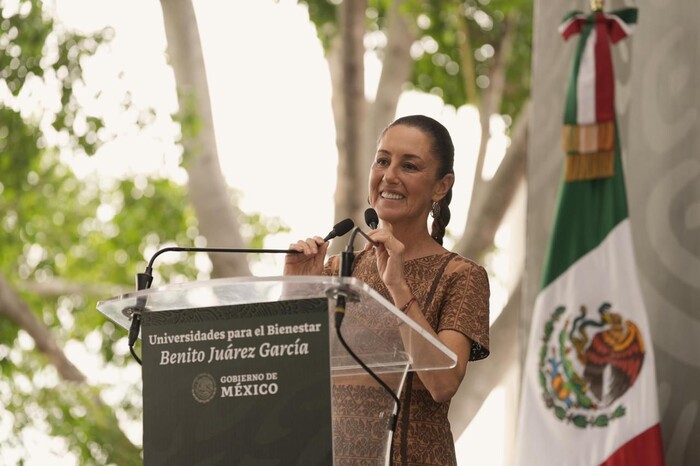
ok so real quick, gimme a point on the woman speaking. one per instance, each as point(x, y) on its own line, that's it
point(411, 178)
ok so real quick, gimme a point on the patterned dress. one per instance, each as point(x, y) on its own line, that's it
point(453, 293)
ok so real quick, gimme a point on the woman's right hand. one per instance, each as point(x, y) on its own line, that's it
point(311, 259)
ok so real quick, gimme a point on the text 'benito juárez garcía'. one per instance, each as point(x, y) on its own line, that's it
point(264, 350)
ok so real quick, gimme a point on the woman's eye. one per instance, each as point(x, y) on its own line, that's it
point(382, 162)
point(410, 166)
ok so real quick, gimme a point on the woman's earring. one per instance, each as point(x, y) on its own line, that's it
point(435, 211)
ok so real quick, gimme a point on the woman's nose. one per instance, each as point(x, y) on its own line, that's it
point(390, 174)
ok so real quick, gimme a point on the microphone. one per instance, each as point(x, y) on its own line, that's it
point(371, 218)
point(144, 280)
point(340, 228)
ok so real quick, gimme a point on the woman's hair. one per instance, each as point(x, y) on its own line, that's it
point(444, 150)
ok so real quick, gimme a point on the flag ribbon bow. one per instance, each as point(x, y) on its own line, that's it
point(589, 116)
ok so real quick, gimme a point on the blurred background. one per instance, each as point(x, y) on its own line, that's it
point(129, 126)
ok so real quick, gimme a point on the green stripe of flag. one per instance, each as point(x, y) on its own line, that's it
point(586, 212)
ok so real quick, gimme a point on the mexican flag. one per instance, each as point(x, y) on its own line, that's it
point(589, 384)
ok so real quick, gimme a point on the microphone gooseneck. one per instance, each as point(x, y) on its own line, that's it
point(346, 263)
point(144, 280)
point(347, 258)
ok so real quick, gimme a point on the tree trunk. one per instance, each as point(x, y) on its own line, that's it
point(357, 127)
point(488, 105)
point(483, 376)
point(397, 66)
point(490, 203)
point(208, 191)
point(488, 209)
point(349, 105)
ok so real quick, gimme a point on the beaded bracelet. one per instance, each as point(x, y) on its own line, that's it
point(408, 304)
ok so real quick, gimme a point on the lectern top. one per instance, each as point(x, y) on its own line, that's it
point(373, 326)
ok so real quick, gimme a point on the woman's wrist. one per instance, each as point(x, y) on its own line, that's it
point(403, 297)
point(408, 304)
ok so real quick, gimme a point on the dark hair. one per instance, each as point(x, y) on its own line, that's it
point(444, 150)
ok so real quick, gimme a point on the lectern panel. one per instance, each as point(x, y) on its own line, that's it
point(238, 384)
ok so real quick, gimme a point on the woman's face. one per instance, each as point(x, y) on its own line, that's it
point(403, 179)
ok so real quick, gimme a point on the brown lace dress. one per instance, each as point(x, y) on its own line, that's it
point(453, 293)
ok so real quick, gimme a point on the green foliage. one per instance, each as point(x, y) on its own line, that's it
point(440, 70)
point(24, 33)
point(72, 412)
point(256, 227)
point(324, 14)
point(438, 67)
point(88, 235)
point(437, 70)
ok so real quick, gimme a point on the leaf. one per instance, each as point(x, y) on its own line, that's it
point(579, 420)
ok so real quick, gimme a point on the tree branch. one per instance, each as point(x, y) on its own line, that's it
point(209, 193)
point(397, 66)
point(15, 309)
point(466, 56)
point(492, 101)
point(482, 377)
point(490, 203)
point(57, 287)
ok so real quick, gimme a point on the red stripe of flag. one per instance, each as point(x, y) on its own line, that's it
point(604, 80)
point(645, 449)
point(617, 30)
point(573, 26)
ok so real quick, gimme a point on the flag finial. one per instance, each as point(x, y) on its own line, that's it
point(597, 5)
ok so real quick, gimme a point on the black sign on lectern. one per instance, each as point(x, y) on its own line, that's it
point(248, 371)
point(239, 384)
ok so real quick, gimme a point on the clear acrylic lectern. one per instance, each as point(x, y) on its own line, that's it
point(251, 371)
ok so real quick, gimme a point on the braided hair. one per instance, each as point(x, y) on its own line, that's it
point(444, 150)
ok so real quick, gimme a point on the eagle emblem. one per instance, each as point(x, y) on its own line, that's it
point(204, 388)
point(590, 363)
